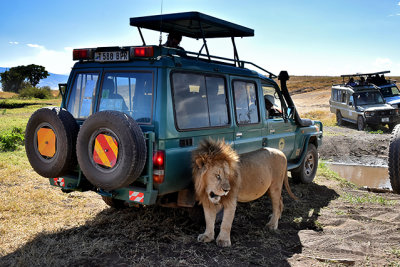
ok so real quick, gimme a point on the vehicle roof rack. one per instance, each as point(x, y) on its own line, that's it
point(192, 24)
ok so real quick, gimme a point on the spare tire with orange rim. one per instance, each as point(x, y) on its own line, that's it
point(111, 150)
point(50, 141)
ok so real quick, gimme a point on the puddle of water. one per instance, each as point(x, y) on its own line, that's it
point(376, 177)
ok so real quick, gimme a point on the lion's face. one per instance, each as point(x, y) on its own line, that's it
point(217, 183)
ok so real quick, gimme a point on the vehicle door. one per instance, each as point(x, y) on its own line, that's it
point(247, 116)
point(351, 107)
point(278, 133)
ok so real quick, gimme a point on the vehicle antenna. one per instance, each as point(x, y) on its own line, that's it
point(161, 23)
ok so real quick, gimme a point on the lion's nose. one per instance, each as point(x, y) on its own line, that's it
point(226, 187)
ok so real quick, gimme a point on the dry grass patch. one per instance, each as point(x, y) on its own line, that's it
point(31, 206)
point(326, 117)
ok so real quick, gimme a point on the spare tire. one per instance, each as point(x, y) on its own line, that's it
point(394, 159)
point(50, 141)
point(111, 149)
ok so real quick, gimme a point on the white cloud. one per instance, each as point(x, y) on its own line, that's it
point(35, 45)
point(59, 62)
point(383, 63)
point(13, 43)
point(398, 3)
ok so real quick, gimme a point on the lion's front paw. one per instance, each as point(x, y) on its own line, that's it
point(223, 242)
point(205, 238)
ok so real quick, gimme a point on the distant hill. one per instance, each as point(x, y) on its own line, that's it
point(53, 80)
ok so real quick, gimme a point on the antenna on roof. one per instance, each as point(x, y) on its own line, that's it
point(161, 23)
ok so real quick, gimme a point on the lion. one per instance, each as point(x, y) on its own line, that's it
point(221, 180)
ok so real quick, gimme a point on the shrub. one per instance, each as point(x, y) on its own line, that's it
point(34, 92)
point(11, 140)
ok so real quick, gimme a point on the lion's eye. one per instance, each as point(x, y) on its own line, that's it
point(218, 176)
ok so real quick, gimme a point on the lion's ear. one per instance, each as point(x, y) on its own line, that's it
point(199, 162)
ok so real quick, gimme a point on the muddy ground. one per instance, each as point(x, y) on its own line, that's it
point(350, 146)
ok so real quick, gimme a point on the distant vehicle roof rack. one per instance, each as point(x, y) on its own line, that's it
point(197, 25)
point(365, 74)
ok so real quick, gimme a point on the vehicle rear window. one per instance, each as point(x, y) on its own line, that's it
point(128, 92)
point(81, 98)
point(245, 102)
point(199, 100)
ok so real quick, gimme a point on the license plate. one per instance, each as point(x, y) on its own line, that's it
point(385, 119)
point(111, 56)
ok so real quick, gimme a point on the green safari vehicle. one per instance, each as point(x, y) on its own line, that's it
point(131, 116)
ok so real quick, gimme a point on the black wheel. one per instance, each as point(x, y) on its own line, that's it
point(360, 123)
point(308, 168)
point(114, 203)
point(339, 118)
point(111, 149)
point(50, 141)
point(394, 159)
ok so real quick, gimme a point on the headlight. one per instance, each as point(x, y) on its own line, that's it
point(369, 113)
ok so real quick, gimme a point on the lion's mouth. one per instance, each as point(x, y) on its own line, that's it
point(212, 195)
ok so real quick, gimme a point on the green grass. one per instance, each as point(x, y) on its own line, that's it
point(18, 117)
point(368, 198)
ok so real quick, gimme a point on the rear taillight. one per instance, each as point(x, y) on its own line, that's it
point(144, 51)
point(158, 166)
point(82, 54)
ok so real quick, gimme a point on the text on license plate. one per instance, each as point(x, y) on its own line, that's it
point(111, 56)
point(385, 119)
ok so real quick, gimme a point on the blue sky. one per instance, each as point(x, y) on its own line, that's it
point(309, 37)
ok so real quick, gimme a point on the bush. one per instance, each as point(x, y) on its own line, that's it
point(11, 140)
point(34, 92)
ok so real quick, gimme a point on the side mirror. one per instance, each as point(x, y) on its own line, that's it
point(62, 87)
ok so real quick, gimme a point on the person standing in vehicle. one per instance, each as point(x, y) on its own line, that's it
point(174, 40)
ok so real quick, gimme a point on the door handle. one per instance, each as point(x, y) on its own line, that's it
point(239, 134)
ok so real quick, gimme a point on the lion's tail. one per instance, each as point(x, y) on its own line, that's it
point(286, 182)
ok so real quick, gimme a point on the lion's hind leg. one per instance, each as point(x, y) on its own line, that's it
point(277, 208)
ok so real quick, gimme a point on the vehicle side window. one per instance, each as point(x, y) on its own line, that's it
point(245, 96)
point(343, 97)
point(199, 101)
point(81, 98)
point(336, 95)
point(272, 102)
point(128, 92)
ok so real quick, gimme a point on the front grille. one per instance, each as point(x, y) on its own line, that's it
point(384, 112)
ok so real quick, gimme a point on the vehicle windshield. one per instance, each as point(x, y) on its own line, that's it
point(128, 92)
point(368, 98)
point(390, 91)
